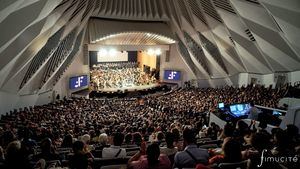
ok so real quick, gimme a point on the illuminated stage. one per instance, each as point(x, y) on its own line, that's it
point(129, 88)
point(136, 91)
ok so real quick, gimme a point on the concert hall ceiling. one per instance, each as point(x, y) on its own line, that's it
point(216, 38)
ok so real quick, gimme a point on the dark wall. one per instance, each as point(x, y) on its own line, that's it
point(132, 56)
point(93, 58)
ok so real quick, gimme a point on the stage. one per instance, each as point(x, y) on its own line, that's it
point(128, 88)
point(137, 91)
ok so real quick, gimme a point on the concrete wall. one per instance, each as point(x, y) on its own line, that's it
point(175, 63)
point(294, 76)
point(245, 79)
point(10, 101)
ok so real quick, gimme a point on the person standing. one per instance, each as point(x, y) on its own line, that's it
point(252, 112)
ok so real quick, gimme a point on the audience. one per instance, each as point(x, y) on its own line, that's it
point(161, 122)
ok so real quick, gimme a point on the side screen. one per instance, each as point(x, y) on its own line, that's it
point(78, 82)
point(172, 75)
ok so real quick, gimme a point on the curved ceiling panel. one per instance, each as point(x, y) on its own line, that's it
point(135, 38)
point(257, 36)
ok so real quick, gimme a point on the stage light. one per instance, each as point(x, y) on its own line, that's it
point(102, 52)
point(157, 51)
point(150, 52)
point(112, 52)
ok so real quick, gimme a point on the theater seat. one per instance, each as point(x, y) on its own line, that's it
point(171, 158)
point(99, 162)
point(239, 165)
point(97, 153)
point(132, 151)
point(122, 166)
point(208, 146)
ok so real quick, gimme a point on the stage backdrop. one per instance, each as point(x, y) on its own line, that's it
point(129, 56)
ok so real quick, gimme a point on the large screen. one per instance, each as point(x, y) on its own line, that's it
point(172, 75)
point(78, 82)
point(239, 109)
point(112, 56)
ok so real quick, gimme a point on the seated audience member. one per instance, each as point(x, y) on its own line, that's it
point(7, 137)
point(115, 151)
point(48, 152)
point(213, 131)
point(293, 134)
point(160, 137)
point(103, 141)
point(228, 131)
point(176, 134)
point(170, 149)
point(242, 130)
point(14, 158)
point(79, 160)
point(232, 153)
point(192, 155)
point(283, 144)
point(87, 147)
point(137, 139)
point(128, 139)
point(153, 160)
point(67, 141)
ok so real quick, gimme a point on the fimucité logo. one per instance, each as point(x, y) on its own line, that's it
point(285, 159)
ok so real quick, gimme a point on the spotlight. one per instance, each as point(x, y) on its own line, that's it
point(157, 51)
point(150, 52)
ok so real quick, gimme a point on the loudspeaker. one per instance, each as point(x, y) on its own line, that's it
point(85, 54)
point(167, 56)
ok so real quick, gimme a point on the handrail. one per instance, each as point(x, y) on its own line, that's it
point(269, 108)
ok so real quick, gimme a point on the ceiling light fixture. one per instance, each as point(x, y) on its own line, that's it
point(150, 52)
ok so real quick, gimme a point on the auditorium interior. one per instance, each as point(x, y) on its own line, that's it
point(149, 84)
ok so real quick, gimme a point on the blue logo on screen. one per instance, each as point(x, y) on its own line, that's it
point(78, 82)
point(172, 75)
